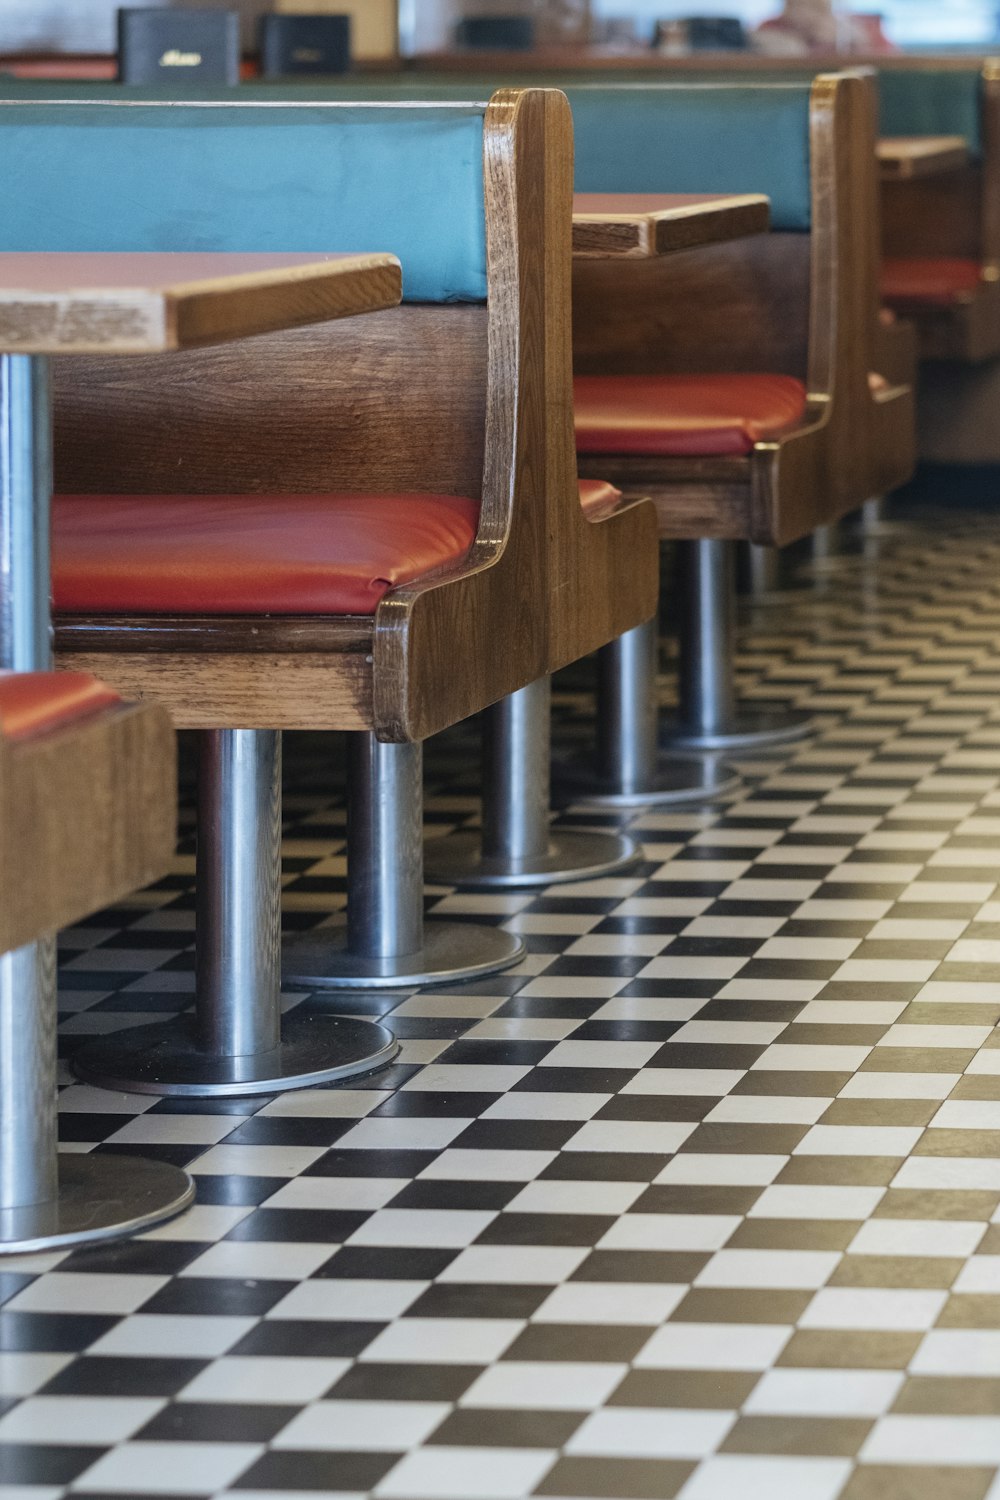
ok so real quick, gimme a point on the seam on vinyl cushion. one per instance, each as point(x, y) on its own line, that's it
point(250, 554)
point(33, 703)
point(684, 415)
point(934, 282)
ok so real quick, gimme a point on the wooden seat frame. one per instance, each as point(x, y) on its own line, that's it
point(460, 399)
point(798, 304)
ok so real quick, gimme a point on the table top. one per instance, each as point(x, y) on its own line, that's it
point(905, 156)
point(650, 224)
point(145, 303)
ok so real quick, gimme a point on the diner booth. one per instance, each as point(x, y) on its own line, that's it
point(499, 750)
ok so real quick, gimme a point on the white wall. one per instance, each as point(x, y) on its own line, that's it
point(89, 25)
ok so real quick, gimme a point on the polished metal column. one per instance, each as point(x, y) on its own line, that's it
point(46, 1204)
point(385, 887)
point(28, 1145)
point(825, 542)
point(386, 944)
point(238, 926)
point(763, 570)
point(25, 495)
point(709, 717)
point(28, 1164)
point(235, 1042)
point(518, 846)
point(516, 761)
point(631, 771)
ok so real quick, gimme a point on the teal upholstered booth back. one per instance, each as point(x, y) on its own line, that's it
point(928, 102)
point(324, 177)
point(697, 138)
point(740, 137)
point(719, 136)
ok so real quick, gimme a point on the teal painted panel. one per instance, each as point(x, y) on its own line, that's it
point(723, 136)
point(646, 138)
point(324, 178)
point(926, 102)
point(708, 138)
point(659, 138)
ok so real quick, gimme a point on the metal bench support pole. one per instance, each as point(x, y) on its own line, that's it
point(235, 1043)
point(47, 1203)
point(518, 846)
point(709, 716)
point(386, 943)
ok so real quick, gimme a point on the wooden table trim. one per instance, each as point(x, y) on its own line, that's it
point(682, 221)
point(901, 158)
point(182, 303)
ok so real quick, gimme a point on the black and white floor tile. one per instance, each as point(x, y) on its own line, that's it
point(701, 1201)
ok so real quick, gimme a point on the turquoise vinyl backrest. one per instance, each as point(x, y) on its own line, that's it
point(323, 177)
point(741, 137)
point(697, 138)
point(928, 102)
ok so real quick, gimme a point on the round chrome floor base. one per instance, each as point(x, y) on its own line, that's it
point(321, 960)
point(167, 1058)
point(573, 854)
point(752, 728)
point(675, 782)
point(100, 1198)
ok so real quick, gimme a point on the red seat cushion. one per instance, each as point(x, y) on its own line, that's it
point(35, 702)
point(935, 283)
point(249, 554)
point(672, 416)
point(598, 498)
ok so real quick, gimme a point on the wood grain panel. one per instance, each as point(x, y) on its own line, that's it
point(88, 813)
point(147, 303)
point(622, 224)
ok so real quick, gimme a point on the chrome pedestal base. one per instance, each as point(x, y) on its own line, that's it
point(236, 1042)
point(572, 855)
point(99, 1198)
point(765, 575)
point(629, 770)
point(672, 783)
point(322, 960)
point(750, 729)
point(518, 846)
point(167, 1058)
point(710, 717)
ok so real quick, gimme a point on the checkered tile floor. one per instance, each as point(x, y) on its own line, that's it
point(702, 1201)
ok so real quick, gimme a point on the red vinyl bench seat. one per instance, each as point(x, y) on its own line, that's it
point(250, 554)
point(33, 703)
point(684, 416)
point(930, 282)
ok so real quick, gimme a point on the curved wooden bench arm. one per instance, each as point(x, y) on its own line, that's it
point(859, 440)
point(543, 586)
point(88, 813)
